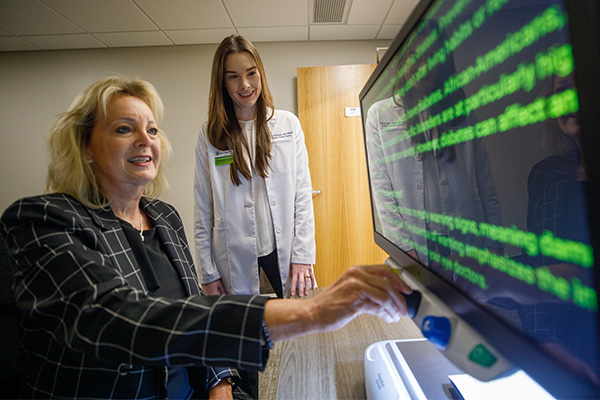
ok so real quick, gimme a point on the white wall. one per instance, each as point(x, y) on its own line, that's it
point(36, 86)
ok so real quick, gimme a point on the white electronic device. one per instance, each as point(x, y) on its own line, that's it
point(407, 369)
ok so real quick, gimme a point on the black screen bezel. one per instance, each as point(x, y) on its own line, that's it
point(560, 381)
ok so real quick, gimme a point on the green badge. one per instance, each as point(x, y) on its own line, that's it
point(223, 157)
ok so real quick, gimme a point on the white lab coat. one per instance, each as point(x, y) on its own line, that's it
point(225, 227)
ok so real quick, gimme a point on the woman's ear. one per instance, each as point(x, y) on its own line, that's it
point(88, 157)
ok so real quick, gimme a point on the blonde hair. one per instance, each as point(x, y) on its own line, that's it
point(223, 129)
point(69, 170)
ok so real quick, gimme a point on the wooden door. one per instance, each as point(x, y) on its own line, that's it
point(336, 152)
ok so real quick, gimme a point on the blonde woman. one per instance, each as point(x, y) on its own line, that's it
point(252, 189)
point(100, 259)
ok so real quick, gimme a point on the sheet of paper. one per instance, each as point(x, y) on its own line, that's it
point(516, 386)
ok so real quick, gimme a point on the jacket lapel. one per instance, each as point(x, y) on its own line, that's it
point(166, 222)
point(119, 248)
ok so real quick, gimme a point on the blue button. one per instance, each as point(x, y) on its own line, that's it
point(437, 330)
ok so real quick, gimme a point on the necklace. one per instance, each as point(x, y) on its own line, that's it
point(141, 227)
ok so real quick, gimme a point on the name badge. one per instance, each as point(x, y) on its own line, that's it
point(223, 157)
point(282, 135)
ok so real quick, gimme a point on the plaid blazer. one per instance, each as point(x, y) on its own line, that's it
point(90, 329)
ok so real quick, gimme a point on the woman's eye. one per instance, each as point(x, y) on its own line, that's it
point(153, 131)
point(123, 129)
point(231, 76)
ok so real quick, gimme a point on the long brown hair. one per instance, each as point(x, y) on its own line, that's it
point(224, 131)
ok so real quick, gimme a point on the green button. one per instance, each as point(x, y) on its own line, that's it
point(482, 356)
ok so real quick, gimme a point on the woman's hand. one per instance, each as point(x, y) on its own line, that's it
point(214, 288)
point(221, 391)
point(303, 277)
point(371, 289)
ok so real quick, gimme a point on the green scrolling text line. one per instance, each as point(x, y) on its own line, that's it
point(549, 21)
point(545, 244)
point(514, 116)
point(457, 37)
point(555, 61)
point(565, 289)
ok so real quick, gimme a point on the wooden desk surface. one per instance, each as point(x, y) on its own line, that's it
point(328, 365)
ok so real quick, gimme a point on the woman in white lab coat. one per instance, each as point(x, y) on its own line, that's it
point(252, 189)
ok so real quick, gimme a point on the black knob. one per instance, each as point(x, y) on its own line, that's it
point(413, 301)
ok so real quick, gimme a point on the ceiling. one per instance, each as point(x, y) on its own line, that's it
point(30, 25)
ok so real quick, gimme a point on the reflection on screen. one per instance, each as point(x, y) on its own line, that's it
point(475, 167)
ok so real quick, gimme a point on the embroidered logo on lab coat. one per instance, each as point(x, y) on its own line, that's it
point(283, 135)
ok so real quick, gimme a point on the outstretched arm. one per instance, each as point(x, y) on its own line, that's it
point(372, 289)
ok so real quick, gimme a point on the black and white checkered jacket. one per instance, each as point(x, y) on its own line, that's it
point(90, 329)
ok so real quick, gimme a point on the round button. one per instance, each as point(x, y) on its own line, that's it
point(437, 330)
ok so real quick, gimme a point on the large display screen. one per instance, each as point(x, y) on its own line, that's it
point(476, 171)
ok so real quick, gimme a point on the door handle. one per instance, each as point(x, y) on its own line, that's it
point(316, 191)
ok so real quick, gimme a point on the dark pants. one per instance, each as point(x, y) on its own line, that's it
point(270, 267)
